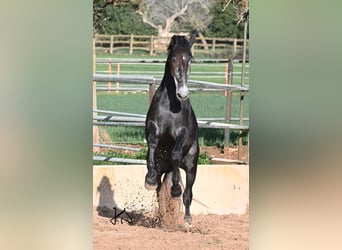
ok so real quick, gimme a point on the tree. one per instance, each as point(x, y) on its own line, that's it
point(118, 17)
point(176, 15)
point(224, 23)
point(242, 9)
point(99, 7)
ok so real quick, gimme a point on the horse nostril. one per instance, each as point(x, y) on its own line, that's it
point(182, 98)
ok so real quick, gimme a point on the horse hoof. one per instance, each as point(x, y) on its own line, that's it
point(176, 191)
point(150, 183)
point(187, 223)
point(150, 187)
point(188, 227)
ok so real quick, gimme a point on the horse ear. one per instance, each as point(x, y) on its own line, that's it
point(192, 39)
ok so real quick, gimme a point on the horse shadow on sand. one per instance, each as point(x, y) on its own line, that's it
point(108, 208)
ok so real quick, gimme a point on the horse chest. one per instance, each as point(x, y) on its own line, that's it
point(170, 123)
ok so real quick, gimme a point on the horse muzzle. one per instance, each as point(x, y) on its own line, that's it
point(183, 93)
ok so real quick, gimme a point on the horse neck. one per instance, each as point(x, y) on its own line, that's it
point(168, 83)
point(168, 88)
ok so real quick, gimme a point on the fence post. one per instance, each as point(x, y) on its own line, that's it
point(242, 93)
point(111, 44)
point(131, 44)
point(151, 45)
point(229, 81)
point(96, 137)
point(117, 73)
point(214, 44)
point(234, 47)
point(226, 78)
point(110, 70)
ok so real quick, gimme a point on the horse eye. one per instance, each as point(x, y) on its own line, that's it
point(173, 59)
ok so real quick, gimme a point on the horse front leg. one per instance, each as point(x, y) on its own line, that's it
point(151, 180)
point(177, 155)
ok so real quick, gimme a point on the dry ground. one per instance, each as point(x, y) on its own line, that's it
point(147, 232)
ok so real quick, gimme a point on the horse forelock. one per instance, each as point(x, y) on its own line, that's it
point(179, 45)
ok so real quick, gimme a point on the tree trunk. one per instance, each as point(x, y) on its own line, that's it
point(164, 32)
point(204, 42)
point(163, 37)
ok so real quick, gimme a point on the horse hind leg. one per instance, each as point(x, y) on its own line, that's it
point(177, 155)
point(176, 189)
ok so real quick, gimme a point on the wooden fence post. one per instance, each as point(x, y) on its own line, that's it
point(229, 81)
point(214, 44)
point(234, 47)
point(111, 44)
point(226, 77)
point(110, 71)
point(151, 45)
point(117, 73)
point(242, 93)
point(131, 44)
point(96, 137)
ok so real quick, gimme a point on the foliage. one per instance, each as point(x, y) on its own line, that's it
point(203, 158)
point(121, 17)
point(118, 154)
point(142, 154)
point(224, 23)
point(118, 19)
point(241, 7)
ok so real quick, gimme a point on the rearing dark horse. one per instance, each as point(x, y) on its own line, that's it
point(171, 126)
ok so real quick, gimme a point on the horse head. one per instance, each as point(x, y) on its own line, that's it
point(179, 58)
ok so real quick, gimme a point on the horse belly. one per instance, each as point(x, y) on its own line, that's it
point(162, 155)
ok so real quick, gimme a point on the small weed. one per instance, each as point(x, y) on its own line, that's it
point(204, 158)
point(142, 154)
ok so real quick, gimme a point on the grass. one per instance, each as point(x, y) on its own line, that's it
point(212, 72)
point(205, 105)
point(203, 158)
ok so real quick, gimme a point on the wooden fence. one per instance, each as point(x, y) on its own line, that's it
point(155, 44)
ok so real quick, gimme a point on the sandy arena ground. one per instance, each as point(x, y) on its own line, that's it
point(150, 231)
point(147, 232)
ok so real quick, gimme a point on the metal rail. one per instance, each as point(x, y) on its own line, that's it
point(116, 147)
point(151, 80)
point(120, 160)
point(162, 61)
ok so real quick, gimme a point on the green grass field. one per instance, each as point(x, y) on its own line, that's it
point(211, 72)
point(205, 104)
